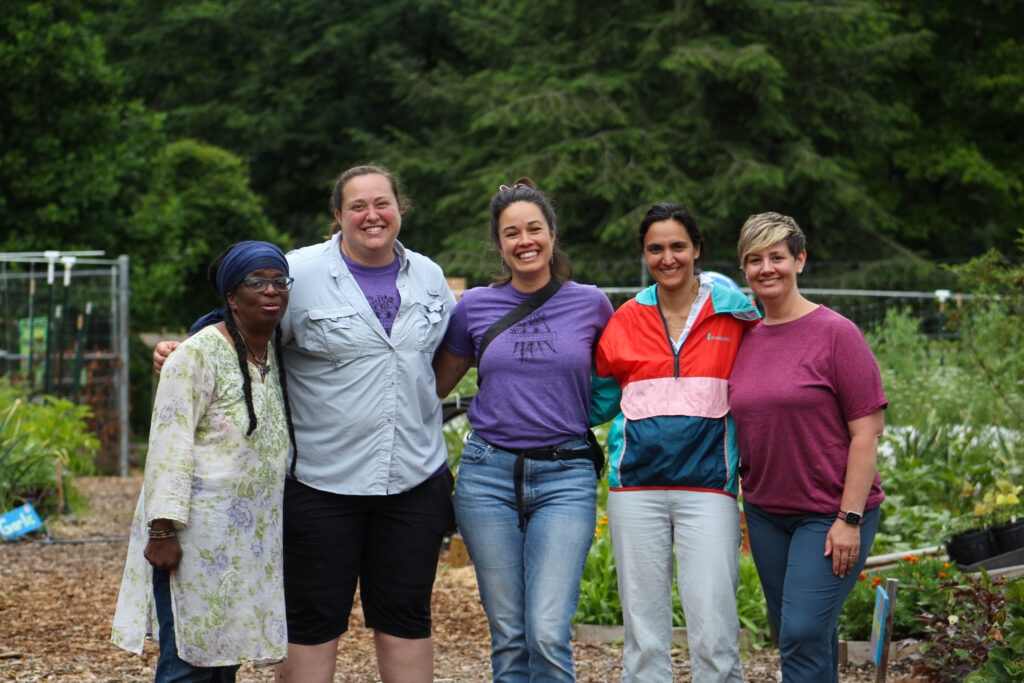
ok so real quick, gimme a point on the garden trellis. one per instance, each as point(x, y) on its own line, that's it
point(64, 332)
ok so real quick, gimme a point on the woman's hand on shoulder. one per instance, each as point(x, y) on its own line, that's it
point(160, 353)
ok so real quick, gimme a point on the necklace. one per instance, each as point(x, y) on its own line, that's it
point(675, 322)
point(262, 364)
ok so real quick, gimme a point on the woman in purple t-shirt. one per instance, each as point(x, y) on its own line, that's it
point(525, 496)
point(806, 395)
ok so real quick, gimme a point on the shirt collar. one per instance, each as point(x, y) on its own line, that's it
point(337, 263)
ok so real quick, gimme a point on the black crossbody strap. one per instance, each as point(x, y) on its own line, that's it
point(531, 304)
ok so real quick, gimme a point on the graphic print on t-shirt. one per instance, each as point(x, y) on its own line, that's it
point(533, 337)
point(384, 307)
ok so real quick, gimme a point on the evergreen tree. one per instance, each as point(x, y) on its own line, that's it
point(733, 108)
point(956, 180)
point(291, 87)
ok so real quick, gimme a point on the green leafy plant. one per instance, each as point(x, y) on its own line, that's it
point(35, 435)
point(1004, 664)
point(23, 463)
point(750, 604)
point(935, 475)
point(991, 330)
point(599, 588)
point(919, 579)
point(972, 622)
point(999, 503)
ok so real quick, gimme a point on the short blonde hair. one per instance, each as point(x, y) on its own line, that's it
point(762, 230)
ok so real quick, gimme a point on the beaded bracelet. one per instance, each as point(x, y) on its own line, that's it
point(162, 533)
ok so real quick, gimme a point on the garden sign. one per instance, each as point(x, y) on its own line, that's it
point(19, 521)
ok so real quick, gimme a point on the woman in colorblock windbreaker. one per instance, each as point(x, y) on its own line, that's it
point(662, 365)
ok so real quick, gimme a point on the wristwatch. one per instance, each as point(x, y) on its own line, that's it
point(851, 518)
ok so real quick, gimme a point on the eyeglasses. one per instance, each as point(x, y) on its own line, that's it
point(258, 284)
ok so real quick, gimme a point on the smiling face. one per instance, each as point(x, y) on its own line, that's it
point(370, 218)
point(669, 254)
point(771, 272)
point(525, 241)
point(259, 310)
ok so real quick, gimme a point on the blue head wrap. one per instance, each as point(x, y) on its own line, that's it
point(243, 258)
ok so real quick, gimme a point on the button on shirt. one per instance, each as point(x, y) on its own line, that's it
point(367, 417)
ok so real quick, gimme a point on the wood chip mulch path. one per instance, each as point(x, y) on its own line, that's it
point(57, 601)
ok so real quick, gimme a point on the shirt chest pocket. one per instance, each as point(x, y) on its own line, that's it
point(336, 333)
point(427, 320)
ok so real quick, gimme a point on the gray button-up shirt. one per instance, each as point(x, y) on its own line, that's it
point(367, 418)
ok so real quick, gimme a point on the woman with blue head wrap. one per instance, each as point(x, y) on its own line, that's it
point(207, 530)
point(368, 496)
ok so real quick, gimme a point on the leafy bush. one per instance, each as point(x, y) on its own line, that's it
point(935, 475)
point(923, 377)
point(35, 434)
point(1004, 664)
point(920, 579)
point(976, 617)
point(599, 589)
point(23, 463)
point(750, 603)
point(991, 329)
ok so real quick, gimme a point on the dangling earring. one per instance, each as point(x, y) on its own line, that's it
point(800, 272)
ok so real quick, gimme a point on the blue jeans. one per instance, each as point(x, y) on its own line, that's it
point(804, 597)
point(170, 668)
point(529, 581)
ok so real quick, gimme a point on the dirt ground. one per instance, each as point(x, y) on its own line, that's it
point(57, 601)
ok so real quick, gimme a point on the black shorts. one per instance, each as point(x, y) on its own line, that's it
point(390, 544)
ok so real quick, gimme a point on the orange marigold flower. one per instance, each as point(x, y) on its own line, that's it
point(906, 557)
point(946, 565)
point(943, 575)
point(915, 559)
point(877, 581)
point(863, 576)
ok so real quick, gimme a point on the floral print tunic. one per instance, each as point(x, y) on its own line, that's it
point(223, 490)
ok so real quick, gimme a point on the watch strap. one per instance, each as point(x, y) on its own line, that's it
point(851, 518)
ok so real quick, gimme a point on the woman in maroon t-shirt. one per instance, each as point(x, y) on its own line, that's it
point(806, 395)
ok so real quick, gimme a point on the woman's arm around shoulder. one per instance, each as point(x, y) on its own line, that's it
point(449, 368)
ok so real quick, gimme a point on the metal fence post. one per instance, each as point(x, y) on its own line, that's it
point(122, 352)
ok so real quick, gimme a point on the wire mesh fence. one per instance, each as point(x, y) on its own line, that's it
point(64, 321)
point(63, 332)
point(861, 291)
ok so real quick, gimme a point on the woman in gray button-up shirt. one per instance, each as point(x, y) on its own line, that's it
point(369, 493)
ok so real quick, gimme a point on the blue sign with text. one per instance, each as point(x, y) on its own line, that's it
point(19, 522)
point(878, 625)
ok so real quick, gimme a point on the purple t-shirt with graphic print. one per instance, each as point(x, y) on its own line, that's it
point(535, 388)
point(792, 391)
point(379, 285)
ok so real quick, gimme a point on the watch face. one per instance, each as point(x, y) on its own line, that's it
point(852, 518)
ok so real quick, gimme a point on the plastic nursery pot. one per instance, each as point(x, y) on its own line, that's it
point(1009, 536)
point(972, 546)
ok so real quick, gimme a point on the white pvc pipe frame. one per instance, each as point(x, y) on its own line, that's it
point(120, 292)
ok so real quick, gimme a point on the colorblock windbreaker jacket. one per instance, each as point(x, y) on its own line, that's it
point(672, 428)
